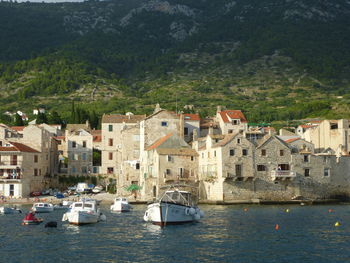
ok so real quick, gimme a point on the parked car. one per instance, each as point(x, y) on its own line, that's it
point(35, 193)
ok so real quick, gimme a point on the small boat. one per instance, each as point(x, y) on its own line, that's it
point(9, 210)
point(83, 212)
point(42, 207)
point(121, 204)
point(60, 207)
point(30, 219)
point(97, 189)
point(174, 207)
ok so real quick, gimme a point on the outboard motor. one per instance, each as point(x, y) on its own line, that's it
point(51, 224)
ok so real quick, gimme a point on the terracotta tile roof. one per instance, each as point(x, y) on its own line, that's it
point(181, 151)
point(18, 147)
point(97, 138)
point(18, 128)
point(117, 118)
point(159, 142)
point(292, 140)
point(191, 117)
point(96, 132)
point(232, 114)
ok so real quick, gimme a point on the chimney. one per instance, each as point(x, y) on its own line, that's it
point(195, 134)
point(158, 108)
point(218, 108)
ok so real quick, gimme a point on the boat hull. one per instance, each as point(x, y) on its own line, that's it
point(43, 209)
point(81, 217)
point(171, 214)
point(32, 222)
point(9, 210)
point(120, 207)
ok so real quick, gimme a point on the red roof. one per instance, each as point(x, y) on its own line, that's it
point(232, 114)
point(18, 128)
point(159, 142)
point(18, 147)
point(192, 117)
point(307, 126)
point(292, 140)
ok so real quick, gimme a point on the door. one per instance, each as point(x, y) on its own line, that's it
point(238, 170)
point(12, 190)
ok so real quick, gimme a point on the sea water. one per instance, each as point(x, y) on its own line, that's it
point(226, 234)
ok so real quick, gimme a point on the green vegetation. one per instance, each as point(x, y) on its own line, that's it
point(274, 61)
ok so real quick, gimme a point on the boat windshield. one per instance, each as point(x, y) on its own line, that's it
point(183, 198)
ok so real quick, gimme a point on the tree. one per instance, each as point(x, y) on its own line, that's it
point(18, 120)
point(41, 118)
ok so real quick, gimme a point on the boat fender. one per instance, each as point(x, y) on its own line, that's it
point(187, 211)
point(192, 211)
point(197, 217)
point(65, 217)
point(103, 217)
point(51, 224)
point(201, 213)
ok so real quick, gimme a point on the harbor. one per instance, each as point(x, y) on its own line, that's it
point(231, 233)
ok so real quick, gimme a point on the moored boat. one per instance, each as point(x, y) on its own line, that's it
point(30, 219)
point(9, 210)
point(83, 212)
point(174, 207)
point(121, 204)
point(42, 207)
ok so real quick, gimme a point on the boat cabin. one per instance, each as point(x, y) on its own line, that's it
point(83, 206)
point(178, 197)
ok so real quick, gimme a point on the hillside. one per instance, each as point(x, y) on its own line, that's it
point(276, 60)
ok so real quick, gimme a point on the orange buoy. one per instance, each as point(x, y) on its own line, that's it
point(330, 210)
point(277, 227)
point(245, 209)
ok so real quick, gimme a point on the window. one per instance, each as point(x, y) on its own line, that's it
point(36, 158)
point(110, 127)
point(202, 155)
point(192, 158)
point(84, 156)
point(244, 152)
point(232, 152)
point(238, 141)
point(327, 171)
point(263, 152)
point(110, 156)
point(214, 153)
point(169, 159)
point(36, 172)
point(110, 142)
point(74, 170)
point(208, 154)
point(164, 124)
point(306, 158)
point(261, 168)
point(76, 157)
point(230, 131)
point(307, 172)
point(186, 131)
point(281, 152)
point(137, 166)
point(84, 144)
point(13, 160)
point(167, 171)
point(110, 170)
point(235, 122)
point(181, 172)
point(74, 144)
point(84, 169)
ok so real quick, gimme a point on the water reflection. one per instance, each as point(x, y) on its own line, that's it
point(153, 229)
point(71, 229)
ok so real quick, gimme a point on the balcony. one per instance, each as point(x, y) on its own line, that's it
point(13, 164)
point(209, 176)
point(283, 175)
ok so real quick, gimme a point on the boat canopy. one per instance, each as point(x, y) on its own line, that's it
point(177, 197)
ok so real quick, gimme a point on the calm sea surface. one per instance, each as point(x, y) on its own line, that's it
point(226, 234)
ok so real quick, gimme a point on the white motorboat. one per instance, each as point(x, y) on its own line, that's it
point(174, 207)
point(9, 210)
point(85, 199)
point(83, 212)
point(121, 204)
point(97, 189)
point(42, 207)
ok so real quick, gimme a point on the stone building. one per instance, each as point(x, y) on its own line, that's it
point(191, 123)
point(21, 169)
point(167, 161)
point(111, 146)
point(231, 121)
point(328, 134)
point(79, 149)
